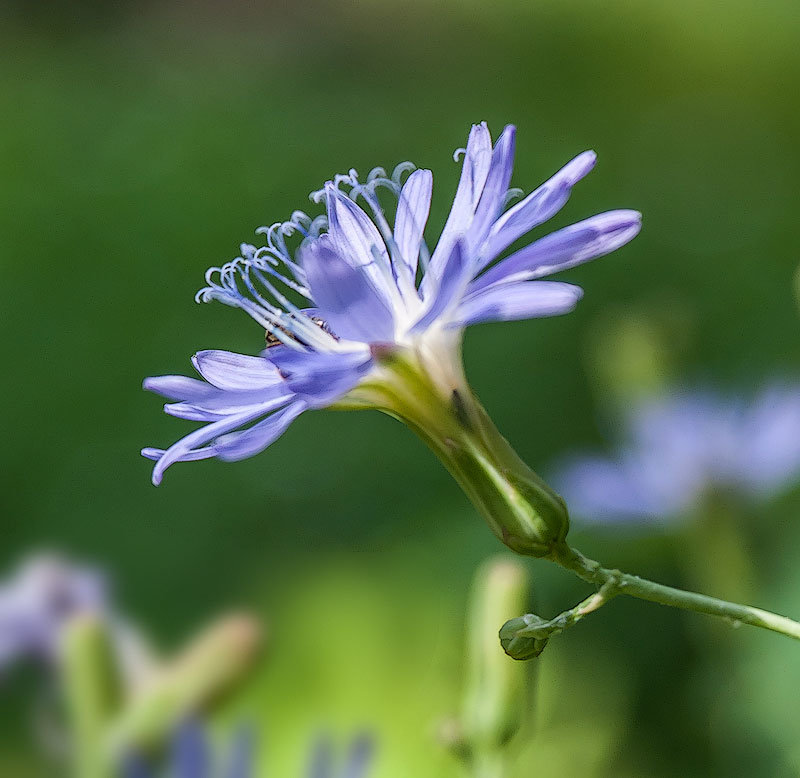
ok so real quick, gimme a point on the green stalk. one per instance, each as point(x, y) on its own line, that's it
point(634, 586)
point(524, 636)
point(427, 390)
point(92, 693)
point(438, 405)
point(210, 667)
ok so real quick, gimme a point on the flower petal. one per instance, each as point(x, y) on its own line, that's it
point(770, 433)
point(495, 189)
point(191, 751)
point(240, 757)
point(231, 371)
point(477, 160)
point(598, 489)
point(455, 277)
point(320, 378)
point(178, 387)
point(539, 206)
point(413, 208)
point(247, 443)
point(356, 239)
point(521, 300)
point(565, 248)
point(359, 757)
point(228, 403)
point(345, 296)
point(193, 456)
point(185, 448)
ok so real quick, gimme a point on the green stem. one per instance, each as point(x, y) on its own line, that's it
point(92, 693)
point(634, 586)
point(489, 764)
point(437, 404)
point(526, 636)
point(427, 390)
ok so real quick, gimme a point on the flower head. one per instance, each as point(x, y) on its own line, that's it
point(35, 603)
point(47, 593)
point(681, 447)
point(193, 757)
point(362, 287)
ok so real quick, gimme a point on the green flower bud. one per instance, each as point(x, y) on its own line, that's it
point(518, 646)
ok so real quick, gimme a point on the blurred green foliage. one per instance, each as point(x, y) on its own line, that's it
point(141, 143)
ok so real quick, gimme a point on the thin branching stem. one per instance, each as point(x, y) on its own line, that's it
point(611, 583)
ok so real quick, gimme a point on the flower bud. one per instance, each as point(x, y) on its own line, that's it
point(521, 647)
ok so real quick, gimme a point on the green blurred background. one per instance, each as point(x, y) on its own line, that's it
point(141, 143)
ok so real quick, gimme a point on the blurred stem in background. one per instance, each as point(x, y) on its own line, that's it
point(116, 703)
point(92, 693)
point(496, 688)
point(797, 286)
point(211, 665)
point(719, 525)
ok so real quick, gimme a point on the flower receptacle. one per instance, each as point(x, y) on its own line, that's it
point(426, 389)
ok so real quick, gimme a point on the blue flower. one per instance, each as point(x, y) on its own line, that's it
point(37, 601)
point(358, 289)
point(192, 757)
point(682, 447)
point(45, 593)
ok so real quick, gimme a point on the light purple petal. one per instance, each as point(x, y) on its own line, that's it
point(356, 239)
point(477, 160)
point(247, 443)
point(599, 490)
point(359, 757)
point(321, 378)
point(228, 403)
point(770, 433)
point(178, 387)
point(192, 456)
point(345, 296)
point(44, 593)
point(565, 248)
point(523, 300)
point(191, 752)
point(539, 206)
point(241, 755)
point(454, 280)
point(412, 215)
point(495, 189)
point(185, 447)
point(231, 371)
point(189, 412)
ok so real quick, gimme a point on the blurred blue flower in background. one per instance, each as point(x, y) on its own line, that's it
point(45, 593)
point(192, 757)
point(366, 290)
point(38, 599)
point(681, 447)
